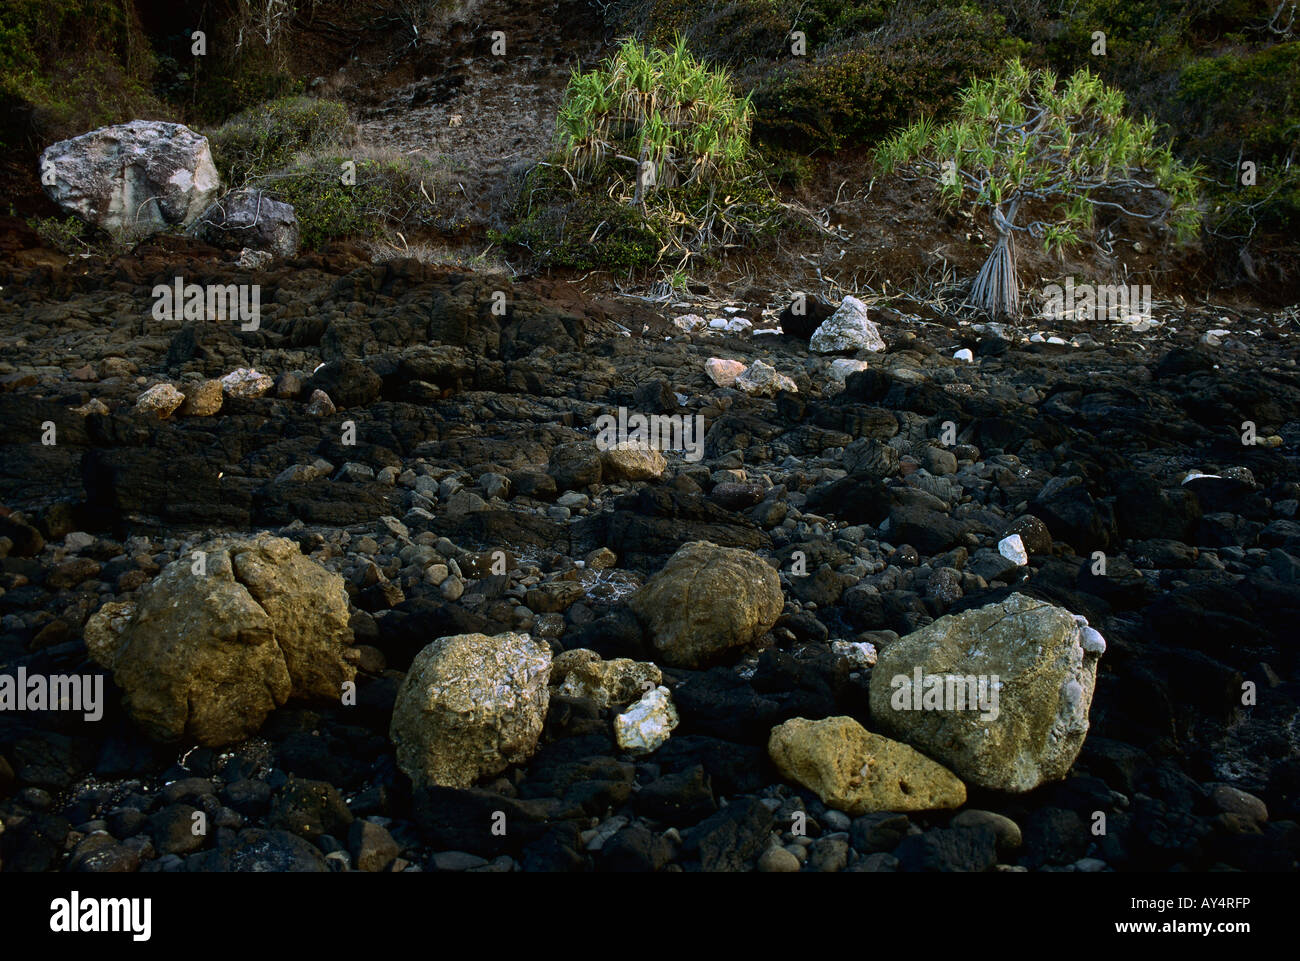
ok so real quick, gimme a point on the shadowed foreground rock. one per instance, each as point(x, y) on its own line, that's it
point(1037, 658)
point(857, 772)
point(706, 601)
point(207, 652)
point(470, 706)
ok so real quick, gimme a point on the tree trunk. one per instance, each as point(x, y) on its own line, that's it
point(996, 289)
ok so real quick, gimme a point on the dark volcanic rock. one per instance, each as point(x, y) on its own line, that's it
point(949, 849)
point(803, 316)
point(730, 839)
point(349, 383)
point(648, 526)
point(466, 404)
point(1073, 516)
point(930, 532)
point(257, 850)
point(635, 849)
point(310, 808)
point(479, 821)
point(679, 799)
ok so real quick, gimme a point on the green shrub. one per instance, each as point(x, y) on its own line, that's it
point(391, 194)
point(77, 64)
point(1246, 107)
point(652, 161)
point(734, 32)
point(858, 95)
point(267, 137)
point(237, 88)
point(66, 235)
point(720, 31)
point(582, 230)
point(1248, 102)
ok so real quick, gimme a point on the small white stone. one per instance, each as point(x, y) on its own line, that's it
point(1092, 641)
point(78, 541)
point(841, 367)
point(964, 354)
point(1013, 549)
point(859, 654)
point(762, 380)
point(647, 724)
point(847, 329)
point(245, 382)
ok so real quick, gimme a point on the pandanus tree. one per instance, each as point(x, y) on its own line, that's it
point(1023, 146)
point(658, 130)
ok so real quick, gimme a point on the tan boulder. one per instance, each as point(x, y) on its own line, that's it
point(470, 706)
point(707, 601)
point(855, 771)
point(630, 462)
point(224, 636)
point(160, 400)
point(202, 399)
point(1000, 694)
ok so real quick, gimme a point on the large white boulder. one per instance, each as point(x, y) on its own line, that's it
point(132, 179)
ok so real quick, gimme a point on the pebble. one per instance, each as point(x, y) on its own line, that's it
point(777, 860)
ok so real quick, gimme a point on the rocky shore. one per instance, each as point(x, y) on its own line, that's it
point(364, 592)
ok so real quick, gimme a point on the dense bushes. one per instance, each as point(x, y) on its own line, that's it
point(868, 66)
point(72, 65)
point(268, 136)
point(65, 234)
point(858, 95)
point(652, 162)
point(740, 32)
point(580, 228)
point(392, 193)
point(1246, 107)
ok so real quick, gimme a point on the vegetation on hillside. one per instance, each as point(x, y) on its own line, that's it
point(652, 162)
point(803, 79)
point(1219, 77)
point(383, 196)
point(267, 137)
point(68, 66)
point(1041, 158)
